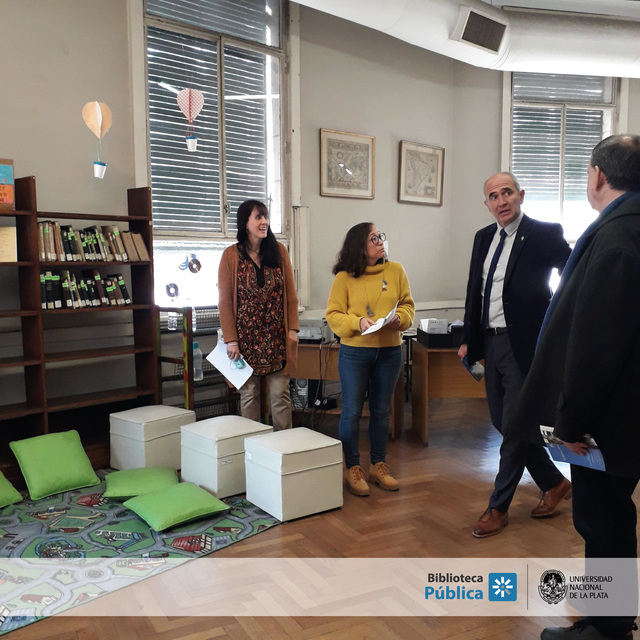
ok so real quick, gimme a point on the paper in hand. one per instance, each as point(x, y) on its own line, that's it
point(219, 359)
point(381, 322)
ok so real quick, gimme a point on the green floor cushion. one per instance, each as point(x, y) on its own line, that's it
point(53, 463)
point(8, 493)
point(175, 505)
point(134, 482)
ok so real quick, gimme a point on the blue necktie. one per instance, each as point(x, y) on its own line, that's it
point(489, 283)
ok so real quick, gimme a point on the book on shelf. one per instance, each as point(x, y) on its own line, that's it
point(116, 239)
point(56, 289)
point(41, 250)
point(48, 290)
point(49, 252)
point(66, 243)
point(130, 247)
point(7, 186)
point(57, 242)
point(67, 300)
point(96, 279)
point(43, 290)
point(73, 290)
point(141, 247)
point(8, 244)
point(122, 292)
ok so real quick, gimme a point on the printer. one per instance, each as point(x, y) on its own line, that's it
point(314, 330)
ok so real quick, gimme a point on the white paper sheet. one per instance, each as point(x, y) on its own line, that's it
point(381, 322)
point(219, 359)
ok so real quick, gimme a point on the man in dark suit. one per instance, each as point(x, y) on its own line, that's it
point(507, 296)
point(585, 377)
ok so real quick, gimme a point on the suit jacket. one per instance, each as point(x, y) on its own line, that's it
point(585, 376)
point(538, 247)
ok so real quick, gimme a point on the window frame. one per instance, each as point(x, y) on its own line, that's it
point(221, 40)
point(618, 111)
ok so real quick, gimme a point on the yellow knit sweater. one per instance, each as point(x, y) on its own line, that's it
point(349, 298)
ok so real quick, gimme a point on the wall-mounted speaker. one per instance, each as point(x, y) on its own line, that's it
point(479, 30)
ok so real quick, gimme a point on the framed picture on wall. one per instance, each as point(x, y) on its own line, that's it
point(346, 164)
point(421, 173)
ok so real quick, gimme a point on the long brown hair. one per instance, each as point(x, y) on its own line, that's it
point(352, 258)
point(269, 252)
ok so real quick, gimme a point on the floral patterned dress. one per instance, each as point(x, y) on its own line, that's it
point(260, 316)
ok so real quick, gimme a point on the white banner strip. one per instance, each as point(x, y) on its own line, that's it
point(319, 587)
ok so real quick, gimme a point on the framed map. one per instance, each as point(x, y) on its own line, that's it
point(421, 173)
point(346, 164)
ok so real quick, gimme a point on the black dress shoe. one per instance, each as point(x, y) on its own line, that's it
point(581, 630)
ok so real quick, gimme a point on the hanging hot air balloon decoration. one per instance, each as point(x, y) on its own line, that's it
point(97, 116)
point(191, 102)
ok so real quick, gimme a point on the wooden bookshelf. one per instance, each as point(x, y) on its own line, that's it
point(39, 412)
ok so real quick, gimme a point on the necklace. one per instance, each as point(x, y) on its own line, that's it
point(370, 311)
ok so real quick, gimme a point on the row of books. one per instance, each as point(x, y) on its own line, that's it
point(61, 289)
point(62, 243)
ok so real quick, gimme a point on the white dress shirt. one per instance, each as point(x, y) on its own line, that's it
point(496, 308)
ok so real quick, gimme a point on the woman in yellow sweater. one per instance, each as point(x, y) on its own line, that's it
point(367, 288)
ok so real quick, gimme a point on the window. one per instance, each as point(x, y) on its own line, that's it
point(231, 52)
point(556, 121)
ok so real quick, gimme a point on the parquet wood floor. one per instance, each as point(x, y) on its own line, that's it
point(444, 489)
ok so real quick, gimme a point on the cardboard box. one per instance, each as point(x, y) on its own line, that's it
point(212, 453)
point(147, 436)
point(434, 340)
point(294, 473)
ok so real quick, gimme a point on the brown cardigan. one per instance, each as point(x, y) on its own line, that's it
point(228, 302)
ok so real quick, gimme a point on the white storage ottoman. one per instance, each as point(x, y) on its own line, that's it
point(212, 453)
point(294, 472)
point(147, 436)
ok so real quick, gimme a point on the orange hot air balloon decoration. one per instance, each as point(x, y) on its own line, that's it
point(191, 102)
point(97, 116)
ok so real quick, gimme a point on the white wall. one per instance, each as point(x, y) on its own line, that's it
point(476, 156)
point(358, 80)
point(57, 56)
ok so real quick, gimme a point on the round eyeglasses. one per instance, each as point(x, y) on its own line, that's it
point(378, 239)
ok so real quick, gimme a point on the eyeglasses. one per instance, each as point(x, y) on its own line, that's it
point(378, 239)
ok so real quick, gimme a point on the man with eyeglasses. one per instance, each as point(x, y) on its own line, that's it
point(507, 296)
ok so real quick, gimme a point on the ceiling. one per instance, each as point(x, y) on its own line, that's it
point(584, 37)
point(629, 9)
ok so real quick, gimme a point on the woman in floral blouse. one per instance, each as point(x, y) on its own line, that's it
point(259, 312)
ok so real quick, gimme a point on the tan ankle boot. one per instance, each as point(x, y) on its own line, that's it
point(356, 482)
point(379, 473)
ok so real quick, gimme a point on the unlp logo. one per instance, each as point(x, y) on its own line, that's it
point(503, 587)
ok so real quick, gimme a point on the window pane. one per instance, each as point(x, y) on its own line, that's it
point(535, 158)
point(255, 20)
point(252, 132)
point(177, 282)
point(185, 186)
point(584, 129)
point(562, 88)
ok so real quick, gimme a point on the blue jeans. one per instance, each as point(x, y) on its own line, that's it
point(361, 369)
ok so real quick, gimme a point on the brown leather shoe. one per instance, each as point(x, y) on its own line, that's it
point(491, 522)
point(549, 500)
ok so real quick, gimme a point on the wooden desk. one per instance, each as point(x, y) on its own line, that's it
point(437, 373)
point(317, 362)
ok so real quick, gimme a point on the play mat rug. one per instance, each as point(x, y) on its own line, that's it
point(60, 551)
